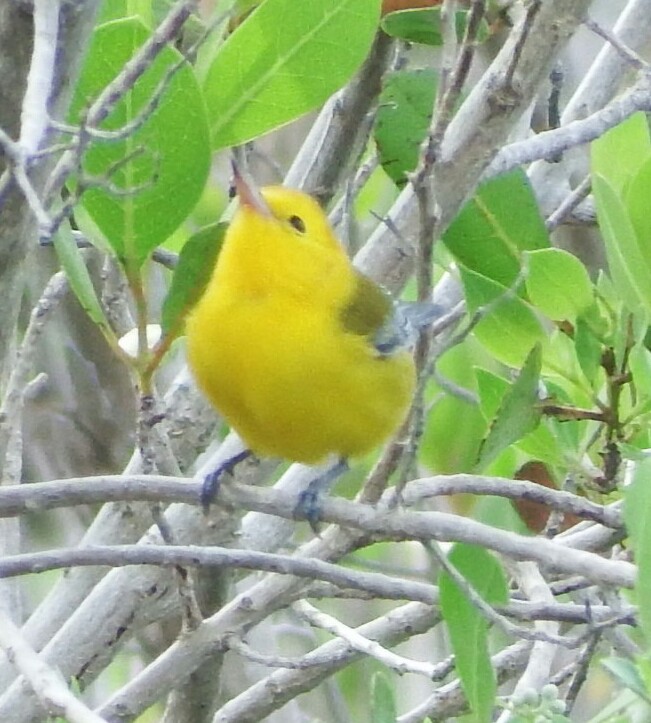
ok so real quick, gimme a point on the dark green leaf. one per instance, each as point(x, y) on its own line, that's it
point(196, 263)
point(284, 60)
point(404, 115)
point(588, 349)
point(423, 25)
point(519, 412)
point(468, 628)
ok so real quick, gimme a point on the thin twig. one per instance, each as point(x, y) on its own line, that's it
point(630, 56)
point(491, 615)
point(371, 648)
point(548, 144)
point(46, 682)
point(569, 203)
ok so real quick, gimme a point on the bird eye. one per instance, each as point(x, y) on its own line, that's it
point(298, 223)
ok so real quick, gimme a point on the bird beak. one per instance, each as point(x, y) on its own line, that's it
point(248, 193)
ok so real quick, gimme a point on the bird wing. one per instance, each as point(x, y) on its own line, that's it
point(390, 326)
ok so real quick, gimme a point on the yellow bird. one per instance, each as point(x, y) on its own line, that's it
point(302, 354)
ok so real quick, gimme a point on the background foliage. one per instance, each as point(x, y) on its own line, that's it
point(483, 154)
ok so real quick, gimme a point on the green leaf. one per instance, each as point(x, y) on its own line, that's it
point(499, 512)
point(510, 328)
point(495, 226)
point(640, 366)
point(161, 167)
point(588, 349)
point(404, 114)
point(423, 25)
point(196, 263)
point(566, 433)
point(562, 365)
point(637, 204)
point(468, 628)
point(627, 673)
point(628, 265)
point(283, 61)
point(492, 389)
point(519, 412)
point(448, 447)
point(617, 154)
point(118, 9)
point(80, 282)
point(383, 703)
point(637, 516)
point(542, 444)
point(557, 283)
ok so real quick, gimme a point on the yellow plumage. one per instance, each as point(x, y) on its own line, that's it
point(282, 341)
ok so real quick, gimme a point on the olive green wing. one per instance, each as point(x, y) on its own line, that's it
point(389, 326)
point(368, 309)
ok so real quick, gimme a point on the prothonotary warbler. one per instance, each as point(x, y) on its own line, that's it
point(302, 354)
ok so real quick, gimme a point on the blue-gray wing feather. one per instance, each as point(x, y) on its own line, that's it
point(401, 329)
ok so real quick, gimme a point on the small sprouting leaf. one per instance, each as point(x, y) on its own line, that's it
point(423, 25)
point(468, 628)
point(557, 283)
point(196, 263)
point(284, 60)
point(519, 412)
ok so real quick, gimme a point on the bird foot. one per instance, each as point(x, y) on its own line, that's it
point(212, 480)
point(308, 506)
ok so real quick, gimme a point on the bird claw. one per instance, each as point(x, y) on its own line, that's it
point(309, 509)
point(210, 487)
point(308, 506)
point(212, 481)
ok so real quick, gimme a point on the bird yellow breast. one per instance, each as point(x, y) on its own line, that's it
point(267, 346)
